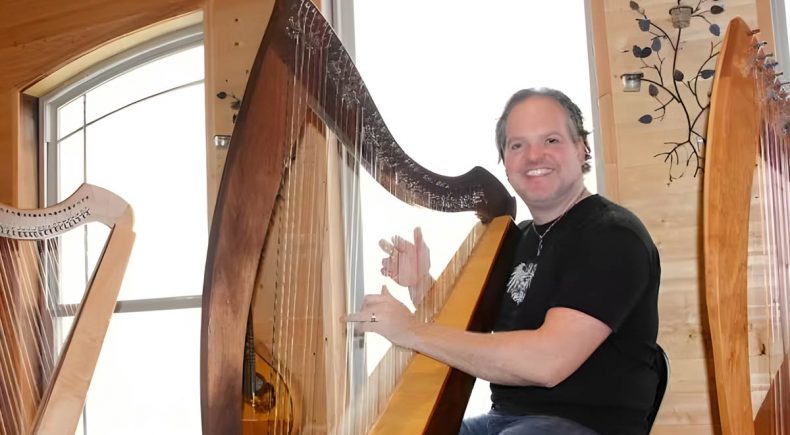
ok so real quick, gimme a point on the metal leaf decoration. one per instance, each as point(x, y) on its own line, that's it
point(652, 90)
point(686, 150)
point(641, 53)
point(646, 119)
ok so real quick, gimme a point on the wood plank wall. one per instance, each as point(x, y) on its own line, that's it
point(234, 29)
point(671, 210)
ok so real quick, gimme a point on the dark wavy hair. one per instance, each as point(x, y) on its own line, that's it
point(575, 119)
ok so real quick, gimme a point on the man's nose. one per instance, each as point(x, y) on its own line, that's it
point(533, 152)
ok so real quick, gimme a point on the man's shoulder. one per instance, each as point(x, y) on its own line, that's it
point(607, 213)
point(607, 218)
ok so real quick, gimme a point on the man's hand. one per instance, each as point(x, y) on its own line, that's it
point(386, 316)
point(408, 264)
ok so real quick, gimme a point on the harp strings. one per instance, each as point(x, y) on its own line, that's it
point(296, 295)
point(776, 165)
point(774, 178)
point(29, 343)
point(310, 352)
point(334, 398)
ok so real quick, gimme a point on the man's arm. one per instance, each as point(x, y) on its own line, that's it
point(544, 357)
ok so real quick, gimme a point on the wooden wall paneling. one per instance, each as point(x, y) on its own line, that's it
point(9, 127)
point(234, 29)
point(37, 38)
point(604, 79)
point(28, 147)
point(765, 24)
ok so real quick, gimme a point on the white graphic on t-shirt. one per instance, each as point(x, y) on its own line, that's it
point(520, 280)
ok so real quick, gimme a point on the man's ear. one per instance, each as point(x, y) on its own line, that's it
point(581, 150)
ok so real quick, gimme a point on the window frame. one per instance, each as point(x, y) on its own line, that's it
point(139, 55)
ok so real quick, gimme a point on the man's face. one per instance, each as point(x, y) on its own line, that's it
point(542, 161)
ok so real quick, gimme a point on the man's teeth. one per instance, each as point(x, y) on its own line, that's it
point(538, 172)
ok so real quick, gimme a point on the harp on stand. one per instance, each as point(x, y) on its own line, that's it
point(48, 348)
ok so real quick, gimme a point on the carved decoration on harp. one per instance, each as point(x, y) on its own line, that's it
point(304, 101)
point(45, 382)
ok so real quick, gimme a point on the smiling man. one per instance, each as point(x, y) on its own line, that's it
point(574, 347)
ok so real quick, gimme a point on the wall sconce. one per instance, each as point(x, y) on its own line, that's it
point(660, 76)
point(221, 141)
point(632, 82)
point(681, 16)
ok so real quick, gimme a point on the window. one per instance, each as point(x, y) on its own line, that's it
point(135, 125)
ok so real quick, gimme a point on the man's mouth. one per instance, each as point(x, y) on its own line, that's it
point(538, 172)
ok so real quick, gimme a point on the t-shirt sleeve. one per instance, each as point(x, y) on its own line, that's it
point(606, 276)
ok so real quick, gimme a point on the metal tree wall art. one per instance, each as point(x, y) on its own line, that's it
point(668, 85)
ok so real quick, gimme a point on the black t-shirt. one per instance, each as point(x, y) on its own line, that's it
point(598, 259)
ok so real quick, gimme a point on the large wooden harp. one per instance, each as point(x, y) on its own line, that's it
point(304, 103)
point(43, 381)
point(746, 237)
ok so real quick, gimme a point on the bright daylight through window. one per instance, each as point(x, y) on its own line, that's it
point(135, 126)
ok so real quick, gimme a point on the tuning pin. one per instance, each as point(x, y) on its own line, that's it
point(770, 64)
point(761, 44)
point(754, 32)
point(781, 93)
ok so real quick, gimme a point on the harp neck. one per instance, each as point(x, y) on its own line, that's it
point(87, 204)
point(299, 35)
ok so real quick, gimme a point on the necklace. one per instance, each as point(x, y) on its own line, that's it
point(541, 236)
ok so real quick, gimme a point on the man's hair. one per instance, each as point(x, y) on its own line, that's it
point(575, 121)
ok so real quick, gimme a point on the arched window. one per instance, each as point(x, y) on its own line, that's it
point(135, 125)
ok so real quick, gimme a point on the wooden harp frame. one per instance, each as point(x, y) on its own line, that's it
point(61, 405)
point(735, 126)
point(257, 161)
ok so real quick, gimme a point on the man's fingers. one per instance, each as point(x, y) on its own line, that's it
point(418, 237)
point(386, 246)
point(357, 317)
point(369, 301)
point(400, 243)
